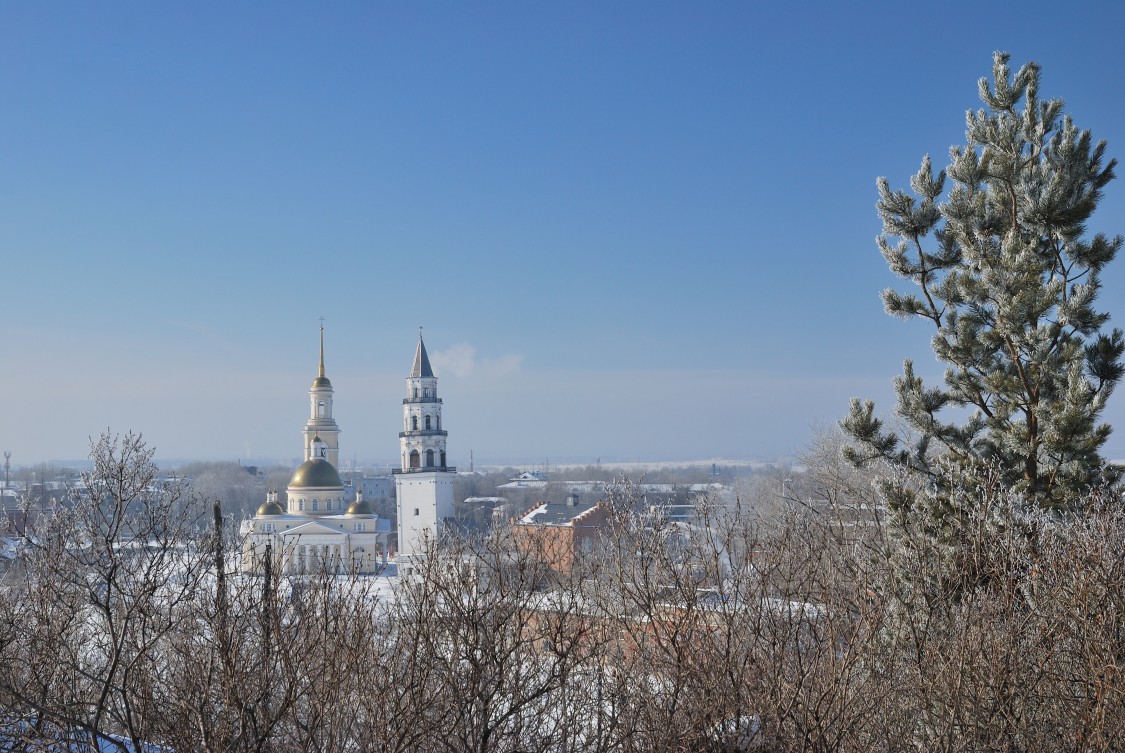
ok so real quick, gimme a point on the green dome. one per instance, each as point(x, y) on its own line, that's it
point(316, 473)
point(360, 507)
point(270, 508)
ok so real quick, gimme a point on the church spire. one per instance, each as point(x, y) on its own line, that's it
point(321, 380)
point(321, 428)
point(320, 374)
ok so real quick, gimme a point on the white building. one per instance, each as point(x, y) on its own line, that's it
point(423, 483)
point(316, 530)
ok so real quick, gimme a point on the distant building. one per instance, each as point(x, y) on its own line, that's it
point(318, 528)
point(674, 502)
point(374, 487)
point(526, 480)
point(560, 534)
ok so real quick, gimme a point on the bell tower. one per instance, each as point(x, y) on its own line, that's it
point(320, 423)
point(424, 480)
point(422, 440)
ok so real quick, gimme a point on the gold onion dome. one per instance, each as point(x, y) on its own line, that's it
point(360, 507)
point(270, 508)
point(316, 473)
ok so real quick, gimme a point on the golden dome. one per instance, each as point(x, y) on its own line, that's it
point(360, 507)
point(317, 473)
point(270, 508)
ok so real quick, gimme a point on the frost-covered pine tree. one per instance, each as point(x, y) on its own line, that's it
point(1007, 278)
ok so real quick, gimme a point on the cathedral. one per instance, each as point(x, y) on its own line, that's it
point(318, 528)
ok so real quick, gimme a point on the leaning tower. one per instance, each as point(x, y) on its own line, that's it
point(423, 482)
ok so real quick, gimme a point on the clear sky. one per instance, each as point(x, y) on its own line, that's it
point(631, 230)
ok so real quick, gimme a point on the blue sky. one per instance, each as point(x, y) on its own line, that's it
point(634, 231)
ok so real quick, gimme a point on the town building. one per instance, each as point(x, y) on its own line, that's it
point(560, 535)
point(527, 480)
point(319, 527)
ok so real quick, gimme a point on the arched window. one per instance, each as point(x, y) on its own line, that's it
point(427, 423)
point(429, 458)
point(316, 504)
point(414, 423)
point(438, 419)
point(328, 505)
point(443, 458)
point(415, 393)
point(321, 409)
point(415, 459)
point(301, 505)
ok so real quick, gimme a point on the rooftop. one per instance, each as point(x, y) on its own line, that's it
point(556, 514)
point(421, 365)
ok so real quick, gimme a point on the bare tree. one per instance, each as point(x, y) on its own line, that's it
point(104, 580)
point(499, 646)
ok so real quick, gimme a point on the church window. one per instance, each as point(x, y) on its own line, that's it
point(321, 409)
point(415, 393)
point(301, 505)
point(414, 423)
point(438, 419)
point(425, 392)
point(429, 458)
point(315, 504)
point(415, 510)
point(328, 505)
point(415, 459)
point(443, 458)
point(427, 423)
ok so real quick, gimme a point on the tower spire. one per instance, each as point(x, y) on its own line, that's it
point(321, 428)
point(321, 372)
point(421, 365)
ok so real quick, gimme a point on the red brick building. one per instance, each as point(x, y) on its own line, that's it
point(560, 534)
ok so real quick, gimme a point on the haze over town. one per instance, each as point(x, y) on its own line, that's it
point(632, 231)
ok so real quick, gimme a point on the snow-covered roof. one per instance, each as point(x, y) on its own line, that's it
point(554, 514)
point(531, 515)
